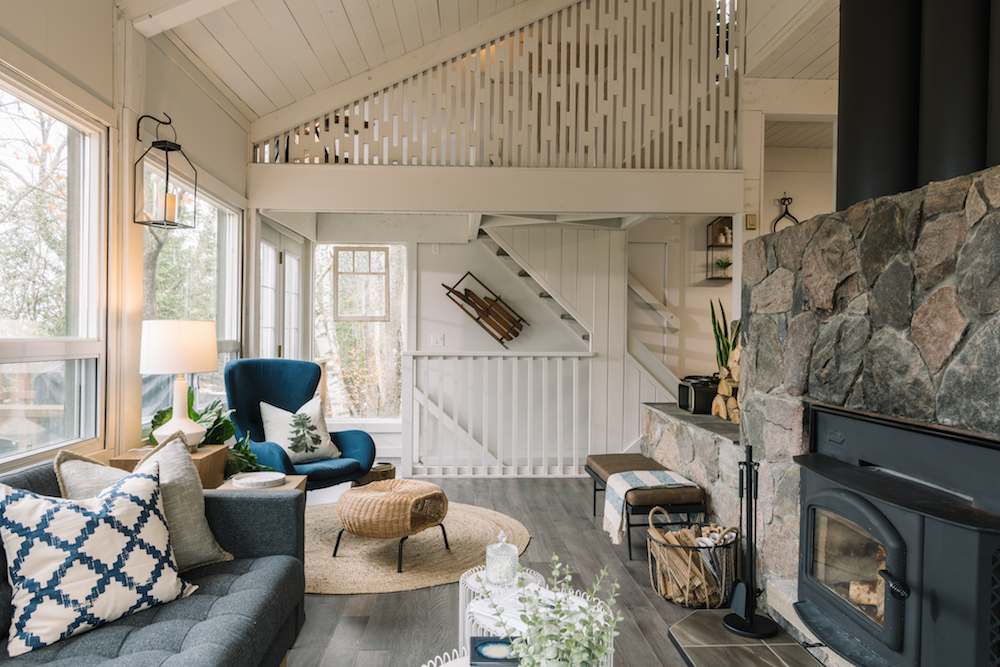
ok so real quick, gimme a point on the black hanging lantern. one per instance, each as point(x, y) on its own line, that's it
point(159, 207)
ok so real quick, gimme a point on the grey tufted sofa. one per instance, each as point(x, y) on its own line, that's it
point(245, 613)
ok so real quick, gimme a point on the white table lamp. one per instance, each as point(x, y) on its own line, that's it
point(179, 346)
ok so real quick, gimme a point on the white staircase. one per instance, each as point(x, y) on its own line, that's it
point(565, 316)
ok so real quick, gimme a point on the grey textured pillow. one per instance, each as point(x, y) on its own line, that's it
point(183, 499)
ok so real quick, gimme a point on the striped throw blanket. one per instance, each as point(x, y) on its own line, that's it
point(620, 483)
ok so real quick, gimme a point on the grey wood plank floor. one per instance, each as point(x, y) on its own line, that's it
point(408, 629)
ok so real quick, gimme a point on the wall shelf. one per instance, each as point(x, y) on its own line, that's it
point(718, 245)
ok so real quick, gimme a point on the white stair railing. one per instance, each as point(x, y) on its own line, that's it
point(495, 414)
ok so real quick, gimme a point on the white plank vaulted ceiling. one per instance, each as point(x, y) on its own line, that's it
point(272, 53)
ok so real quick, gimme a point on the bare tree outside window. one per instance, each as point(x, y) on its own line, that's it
point(187, 275)
point(49, 269)
point(362, 355)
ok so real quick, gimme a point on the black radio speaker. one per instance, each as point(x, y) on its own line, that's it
point(696, 392)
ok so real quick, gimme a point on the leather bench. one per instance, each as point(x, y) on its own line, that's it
point(679, 500)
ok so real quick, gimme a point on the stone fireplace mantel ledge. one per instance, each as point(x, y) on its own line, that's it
point(710, 423)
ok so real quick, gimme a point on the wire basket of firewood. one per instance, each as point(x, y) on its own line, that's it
point(695, 566)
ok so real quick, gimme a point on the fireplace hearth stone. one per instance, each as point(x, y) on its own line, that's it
point(704, 642)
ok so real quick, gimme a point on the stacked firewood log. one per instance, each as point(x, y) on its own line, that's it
point(726, 403)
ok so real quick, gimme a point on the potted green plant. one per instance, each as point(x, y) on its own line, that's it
point(214, 418)
point(219, 429)
point(559, 630)
point(725, 340)
point(724, 263)
point(239, 459)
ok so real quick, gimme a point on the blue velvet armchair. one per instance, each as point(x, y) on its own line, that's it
point(288, 384)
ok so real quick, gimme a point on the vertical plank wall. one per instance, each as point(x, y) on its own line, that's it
point(586, 271)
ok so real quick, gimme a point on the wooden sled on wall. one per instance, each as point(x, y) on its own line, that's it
point(498, 319)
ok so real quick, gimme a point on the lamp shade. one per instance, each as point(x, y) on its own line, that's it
point(178, 346)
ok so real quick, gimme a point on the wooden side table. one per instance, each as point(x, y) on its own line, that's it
point(378, 472)
point(291, 482)
point(210, 461)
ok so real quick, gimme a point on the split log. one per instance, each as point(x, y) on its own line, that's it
point(725, 388)
point(732, 403)
point(880, 588)
point(723, 372)
point(734, 362)
point(863, 592)
point(719, 406)
point(734, 416)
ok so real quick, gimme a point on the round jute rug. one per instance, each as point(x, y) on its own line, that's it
point(367, 565)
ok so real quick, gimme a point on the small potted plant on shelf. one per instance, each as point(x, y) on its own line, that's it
point(724, 263)
point(561, 626)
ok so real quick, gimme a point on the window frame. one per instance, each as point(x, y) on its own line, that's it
point(92, 293)
point(229, 273)
point(337, 316)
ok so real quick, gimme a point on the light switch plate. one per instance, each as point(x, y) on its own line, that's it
point(437, 340)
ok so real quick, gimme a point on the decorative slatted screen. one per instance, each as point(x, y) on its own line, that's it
point(636, 84)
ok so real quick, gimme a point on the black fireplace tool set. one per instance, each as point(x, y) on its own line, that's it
point(743, 620)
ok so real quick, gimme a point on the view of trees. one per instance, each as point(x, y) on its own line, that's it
point(363, 359)
point(180, 266)
point(36, 204)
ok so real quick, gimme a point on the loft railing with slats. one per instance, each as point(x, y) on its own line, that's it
point(633, 84)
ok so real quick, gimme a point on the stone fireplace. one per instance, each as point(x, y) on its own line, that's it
point(892, 308)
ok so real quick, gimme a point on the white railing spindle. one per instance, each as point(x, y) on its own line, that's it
point(443, 435)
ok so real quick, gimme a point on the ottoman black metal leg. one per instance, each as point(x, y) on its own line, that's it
point(445, 534)
point(337, 546)
point(399, 565)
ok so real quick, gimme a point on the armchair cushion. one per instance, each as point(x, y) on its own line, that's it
point(328, 469)
point(301, 434)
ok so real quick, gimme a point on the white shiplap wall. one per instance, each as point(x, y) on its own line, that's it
point(586, 271)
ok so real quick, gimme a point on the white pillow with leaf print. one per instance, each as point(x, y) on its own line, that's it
point(301, 434)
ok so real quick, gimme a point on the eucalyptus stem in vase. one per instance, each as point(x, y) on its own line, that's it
point(559, 626)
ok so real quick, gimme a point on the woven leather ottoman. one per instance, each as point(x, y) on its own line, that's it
point(679, 500)
point(392, 509)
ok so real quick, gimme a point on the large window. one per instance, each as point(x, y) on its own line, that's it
point(51, 268)
point(192, 274)
point(360, 334)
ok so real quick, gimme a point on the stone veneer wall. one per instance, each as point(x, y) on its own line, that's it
point(710, 458)
point(892, 307)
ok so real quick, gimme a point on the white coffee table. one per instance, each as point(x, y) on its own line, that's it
point(470, 588)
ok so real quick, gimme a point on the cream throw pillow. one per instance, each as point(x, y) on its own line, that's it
point(183, 498)
point(302, 434)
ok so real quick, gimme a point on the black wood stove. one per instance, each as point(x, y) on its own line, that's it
point(899, 556)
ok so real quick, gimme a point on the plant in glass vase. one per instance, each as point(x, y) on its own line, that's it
point(724, 263)
point(558, 626)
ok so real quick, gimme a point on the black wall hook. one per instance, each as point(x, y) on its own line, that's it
point(784, 201)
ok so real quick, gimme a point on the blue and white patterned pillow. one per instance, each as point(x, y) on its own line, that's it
point(77, 564)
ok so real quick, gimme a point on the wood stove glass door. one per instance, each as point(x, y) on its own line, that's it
point(846, 560)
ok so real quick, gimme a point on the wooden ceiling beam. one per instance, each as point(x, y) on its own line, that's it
point(153, 18)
